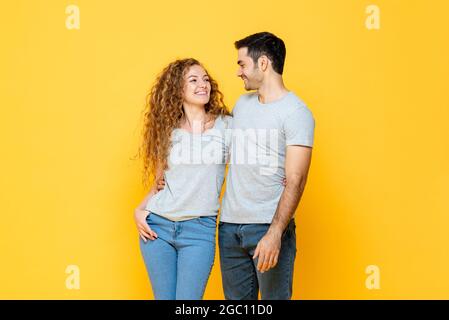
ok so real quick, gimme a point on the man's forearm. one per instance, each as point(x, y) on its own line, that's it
point(287, 204)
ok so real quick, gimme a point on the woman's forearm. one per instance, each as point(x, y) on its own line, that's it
point(153, 190)
point(144, 202)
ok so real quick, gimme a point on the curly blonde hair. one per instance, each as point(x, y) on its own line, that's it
point(164, 111)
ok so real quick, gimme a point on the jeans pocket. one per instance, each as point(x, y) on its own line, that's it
point(150, 218)
point(207, 221)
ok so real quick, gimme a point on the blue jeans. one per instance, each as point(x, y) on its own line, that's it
point(180, 260)
point(241, 279)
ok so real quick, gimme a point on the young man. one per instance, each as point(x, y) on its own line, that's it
point(273, 133)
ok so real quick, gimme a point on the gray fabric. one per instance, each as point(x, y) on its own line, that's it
point(261, 132)
point(195, 175)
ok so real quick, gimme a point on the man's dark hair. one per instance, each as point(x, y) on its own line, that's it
point(265, 43)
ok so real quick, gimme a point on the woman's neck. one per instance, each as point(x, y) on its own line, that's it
point(194, 112)
point(195, 118)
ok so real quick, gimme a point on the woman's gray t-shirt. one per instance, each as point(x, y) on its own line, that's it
point(195, 174)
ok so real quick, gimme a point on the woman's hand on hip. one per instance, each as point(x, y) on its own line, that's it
point(140, 218)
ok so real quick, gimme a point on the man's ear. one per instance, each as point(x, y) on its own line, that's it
point(263, 62)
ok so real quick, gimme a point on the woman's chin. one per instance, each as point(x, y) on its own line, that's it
point(200, 100)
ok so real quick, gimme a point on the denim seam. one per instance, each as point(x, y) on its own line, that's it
point(210, 270)
point(290, 265)
point(240, 235)
point(254, 275)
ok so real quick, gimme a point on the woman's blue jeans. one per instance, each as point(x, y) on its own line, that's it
point(180, 260)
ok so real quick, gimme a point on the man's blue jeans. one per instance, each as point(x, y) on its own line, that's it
point(241, 279)
point(180, 260)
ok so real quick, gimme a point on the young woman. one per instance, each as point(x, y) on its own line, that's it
point(185, 143)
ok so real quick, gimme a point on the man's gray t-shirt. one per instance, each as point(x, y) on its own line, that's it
point(260, 135)
point(195, 175)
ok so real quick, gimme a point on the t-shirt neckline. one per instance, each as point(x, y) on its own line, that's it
point(272, 102)
point(201, 133)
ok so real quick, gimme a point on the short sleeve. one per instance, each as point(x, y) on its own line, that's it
point(299, 127)
point(228, 120)
point(240, 100)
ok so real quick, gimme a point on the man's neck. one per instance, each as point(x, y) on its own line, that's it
point(272, 90)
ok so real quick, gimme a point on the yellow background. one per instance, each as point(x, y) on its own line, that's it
point(70, 122)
